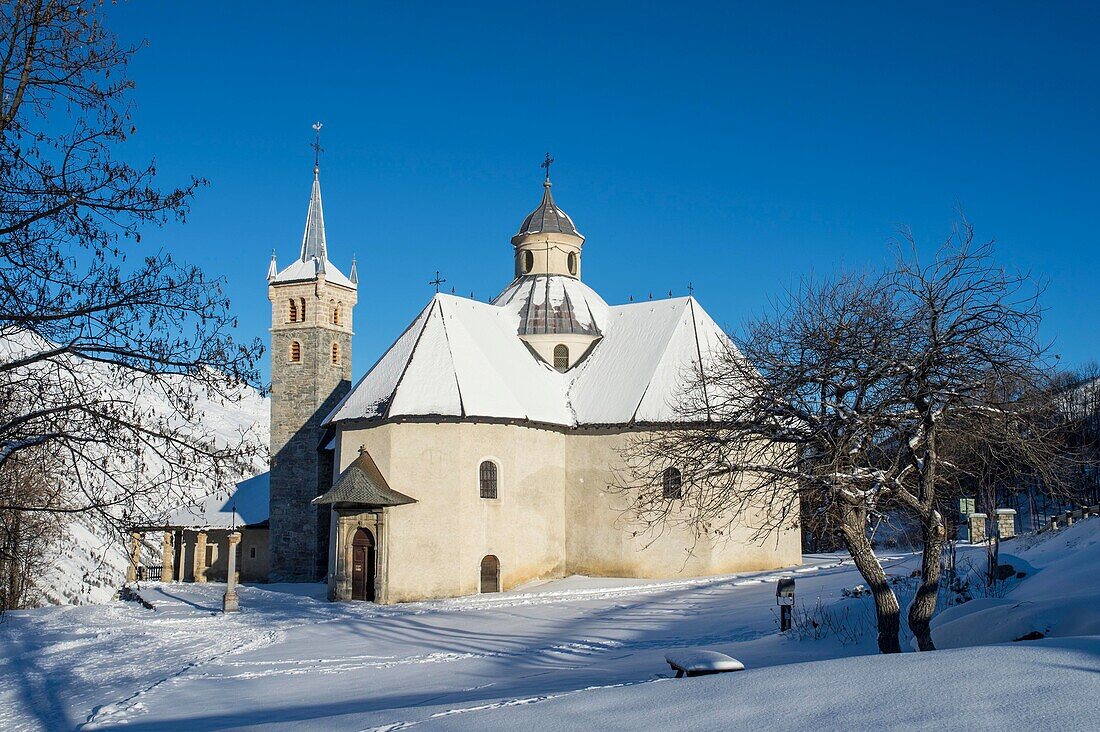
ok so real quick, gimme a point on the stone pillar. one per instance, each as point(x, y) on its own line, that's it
point(1006, 523)
point(230, 602)
point(135, 556)
point(340, 590)
point(168, 556)
point(183, 558)
point(381, 585)
point(977, 528)
point(200, 557)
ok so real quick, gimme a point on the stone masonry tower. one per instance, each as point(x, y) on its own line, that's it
point(311, 329)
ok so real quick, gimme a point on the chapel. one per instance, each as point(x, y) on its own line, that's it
point(478, 452)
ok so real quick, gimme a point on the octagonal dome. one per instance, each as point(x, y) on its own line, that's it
point(546, 304)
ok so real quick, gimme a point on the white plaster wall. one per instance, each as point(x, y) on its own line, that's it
point(554, 516)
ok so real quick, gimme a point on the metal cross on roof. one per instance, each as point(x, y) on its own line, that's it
point(691, 289)
point(317, 149)
point(546, 164)
point(437, 281)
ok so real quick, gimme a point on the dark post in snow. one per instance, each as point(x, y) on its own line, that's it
point(784, 597)
point(230, 603)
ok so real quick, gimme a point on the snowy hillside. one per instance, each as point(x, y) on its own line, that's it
point(570, 654)
point(90, 565)
point(88, 562)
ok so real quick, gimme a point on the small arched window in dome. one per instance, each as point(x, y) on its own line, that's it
point(335, 354)
point(672, 484)
point(336, 314)
point(487, 479)
point(528, 261)
point(561, 357)
point(292, 312)
point(571, 260)
point(295, 352)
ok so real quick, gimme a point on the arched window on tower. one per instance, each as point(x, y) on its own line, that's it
point(487, 479)
point(490, 574)
point(528, 261)
point(295, 352)
point(303, 309)
point(335, 354)
point(672, 484)
point(292, 311)
point(561, 357)
point(336, 314)
point(571, 260)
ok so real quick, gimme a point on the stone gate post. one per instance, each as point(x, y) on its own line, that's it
point(230, 602)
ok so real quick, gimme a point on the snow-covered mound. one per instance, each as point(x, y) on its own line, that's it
point(1058, 596)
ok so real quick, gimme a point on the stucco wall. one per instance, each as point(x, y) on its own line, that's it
point(554, 514)
point(435, 546)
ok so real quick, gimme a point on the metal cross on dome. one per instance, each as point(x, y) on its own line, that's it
point(546, 164)
point(437, 281)
point(317, 149)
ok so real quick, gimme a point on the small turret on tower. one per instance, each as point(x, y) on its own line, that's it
point(547, 241)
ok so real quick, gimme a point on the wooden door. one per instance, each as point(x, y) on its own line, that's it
point(362, 566)
point(490, 574)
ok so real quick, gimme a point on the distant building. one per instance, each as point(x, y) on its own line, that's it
point(476, 454)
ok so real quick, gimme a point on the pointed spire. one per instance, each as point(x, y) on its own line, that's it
point(272, 269)
point(313, 241)
point(354, 277)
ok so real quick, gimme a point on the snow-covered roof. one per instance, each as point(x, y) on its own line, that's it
point(554, 304)
point(243, 504)
point(463, 358)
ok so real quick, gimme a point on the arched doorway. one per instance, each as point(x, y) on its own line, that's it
point(490, 574)
point(362, 565)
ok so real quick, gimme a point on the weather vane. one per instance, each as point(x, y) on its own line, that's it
point(317, 149)
point(437, 281)
point(546, 164)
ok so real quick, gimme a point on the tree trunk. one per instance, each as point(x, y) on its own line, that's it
point(887, 612)
point(924, 604)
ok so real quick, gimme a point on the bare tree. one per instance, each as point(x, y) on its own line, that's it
point(845, 395)
point(107, 357)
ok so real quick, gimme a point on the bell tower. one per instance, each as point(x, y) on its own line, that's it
point(311, 331)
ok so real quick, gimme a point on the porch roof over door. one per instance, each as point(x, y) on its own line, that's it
point(362, 483)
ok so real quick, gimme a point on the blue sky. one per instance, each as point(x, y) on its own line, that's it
point(735, 147)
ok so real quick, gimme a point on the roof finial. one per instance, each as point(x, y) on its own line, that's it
point(546, 164)
point(317, 149)
point(437, 281)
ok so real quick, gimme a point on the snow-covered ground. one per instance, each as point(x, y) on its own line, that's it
point(570, 654)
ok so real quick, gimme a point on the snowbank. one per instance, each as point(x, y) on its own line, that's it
point(1058, 597)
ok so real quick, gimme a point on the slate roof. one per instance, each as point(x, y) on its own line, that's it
point(554, 304)
point(363, 483)
point(547, 218)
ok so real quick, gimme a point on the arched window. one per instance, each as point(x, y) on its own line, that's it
point(490, 574)
point(336, 314)
point(487, 479)
point(295, 352)
point(672, 483)
point(335, 354)
point(572, 262)
point(303, 309)
point(528, 261)
point(292, 313)
point(561, 357)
